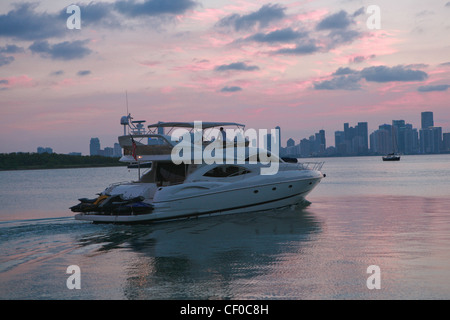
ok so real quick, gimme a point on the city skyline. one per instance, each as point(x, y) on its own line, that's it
point(399, 137)
point(368, 145)
point(96, 150)
point(302, 65)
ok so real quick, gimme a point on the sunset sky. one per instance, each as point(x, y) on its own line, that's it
point(300, 65)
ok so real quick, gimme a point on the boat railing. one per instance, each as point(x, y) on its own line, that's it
point(316, 166)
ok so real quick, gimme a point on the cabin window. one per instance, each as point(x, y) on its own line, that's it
point(226, 171)
point(168, 173)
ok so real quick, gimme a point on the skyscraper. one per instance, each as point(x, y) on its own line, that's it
point(290, 142)
point(398, 135)
point(427, 119)
point(430, 136)
point(117, 150)
point(356, 139)
point(446, 141)
point(279, 136)
point(362, 131)
point(94, 147)
point(322, 140)
point(381, 139)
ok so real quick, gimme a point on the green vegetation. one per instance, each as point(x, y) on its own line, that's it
point(23, 161)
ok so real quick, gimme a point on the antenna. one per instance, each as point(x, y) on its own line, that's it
point(126, 97)
point(125, 120)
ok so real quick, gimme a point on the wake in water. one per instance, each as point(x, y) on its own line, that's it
point(35, 249)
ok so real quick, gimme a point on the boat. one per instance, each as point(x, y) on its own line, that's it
point(392, 156)
point(237, 181)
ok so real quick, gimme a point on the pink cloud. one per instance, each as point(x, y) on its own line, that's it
point(17, 82)
point(217, 40)
point(71, 82)
point(313, 16)
point(198, 65)
point(392, 87)
point(149, 63)
point(208, 15)
point(240, 6)
point(377, 43)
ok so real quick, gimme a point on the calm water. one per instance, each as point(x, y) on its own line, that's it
point(365, 212)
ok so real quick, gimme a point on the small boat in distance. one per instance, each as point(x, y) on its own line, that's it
point(391, 157)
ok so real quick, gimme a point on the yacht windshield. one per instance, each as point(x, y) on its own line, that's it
point(226, 171)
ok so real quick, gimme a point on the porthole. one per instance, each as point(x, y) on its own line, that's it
point(274, 188)
point(255, 191)
point(290, 186)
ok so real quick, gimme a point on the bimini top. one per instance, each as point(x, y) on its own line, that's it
point(205, 125)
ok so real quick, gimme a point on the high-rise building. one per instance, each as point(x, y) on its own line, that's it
point(290, 142)
point(44, 150)
point(339, 142)
point(398, 135)
point(381, 140)
point(437, 139)
point(322, 141)
point(117, 150)
point(339, 138)
point(363, 133)
point(305, 147)
point(356, 140)
point(291, 148)
point(427, 119)
point(268, 142)
point(108, 152)
point(94, 147)
point(430, 140)
point(446, 142)
point(279, 135)
point(430, 136)
point(411, 136)
point(405, 137)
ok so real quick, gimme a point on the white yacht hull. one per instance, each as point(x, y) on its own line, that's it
point(194, 200)
point(196, 175)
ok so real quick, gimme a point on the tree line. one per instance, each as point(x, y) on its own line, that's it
point(22, 161)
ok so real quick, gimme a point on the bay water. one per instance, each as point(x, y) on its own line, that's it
point(366, 212)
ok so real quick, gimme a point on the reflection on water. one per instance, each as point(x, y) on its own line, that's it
point(319, 252)
point(206, 258)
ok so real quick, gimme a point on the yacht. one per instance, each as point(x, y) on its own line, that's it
point(235, 182)
point(391, 157)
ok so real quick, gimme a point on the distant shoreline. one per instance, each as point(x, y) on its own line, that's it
point(63, 167)
point(42, 161)
point(35, 161)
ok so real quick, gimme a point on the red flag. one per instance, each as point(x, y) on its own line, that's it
point(133, 149)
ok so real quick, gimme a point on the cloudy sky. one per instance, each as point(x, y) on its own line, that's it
point(300, 65)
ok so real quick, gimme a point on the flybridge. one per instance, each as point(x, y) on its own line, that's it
point(228, 146)
point(203, 143)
